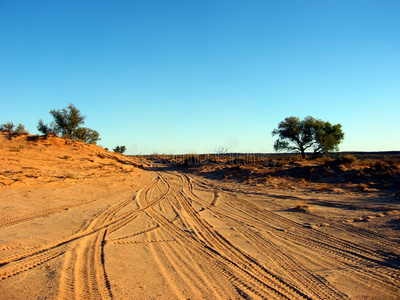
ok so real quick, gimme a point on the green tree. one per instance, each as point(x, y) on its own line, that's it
point(10, 128)
point(51, 129)
point(66, 123)
point(20, 130)
point(119, 149)
point(68, 119)
point(7, 127)
point(314, 134)
point(86, 135)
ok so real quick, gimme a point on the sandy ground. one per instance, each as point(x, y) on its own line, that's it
point(79, 222)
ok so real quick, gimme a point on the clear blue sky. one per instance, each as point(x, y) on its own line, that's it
point(185, 76)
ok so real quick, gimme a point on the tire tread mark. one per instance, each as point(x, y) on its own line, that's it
point(240, 264)
point(365, 260)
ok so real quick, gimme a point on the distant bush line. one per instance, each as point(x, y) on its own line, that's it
point(269, 159)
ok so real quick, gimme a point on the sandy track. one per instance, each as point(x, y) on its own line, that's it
point(360, 263)
point(194, 239)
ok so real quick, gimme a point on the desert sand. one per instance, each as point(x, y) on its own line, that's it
point(80, 222)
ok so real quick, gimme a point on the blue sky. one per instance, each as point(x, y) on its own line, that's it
point(189, 76)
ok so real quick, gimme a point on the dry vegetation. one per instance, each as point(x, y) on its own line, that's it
point(361, 172)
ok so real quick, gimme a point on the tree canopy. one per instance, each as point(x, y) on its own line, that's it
point(308, 134)
point(68, 119)
point(11, 129)
point(51, 129)
point(119, 149)
point(86, 135)
point(67, 123)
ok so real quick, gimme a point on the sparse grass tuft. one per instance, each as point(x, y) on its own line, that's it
point(326, 159)
point(346, 159)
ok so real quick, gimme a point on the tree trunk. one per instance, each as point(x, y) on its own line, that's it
point(303, 154)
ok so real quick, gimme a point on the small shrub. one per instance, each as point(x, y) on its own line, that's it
point(327, 159)
point(51, 129)
point(343, 160)
point(10, 128)
point(119, 149)
point(86, 135)
point(297, 157)
point(363, 187)
point(368, 162)
point(379, 165)
point(20, 130)
point(390, 162)
point(347, 159)
point(7, 127)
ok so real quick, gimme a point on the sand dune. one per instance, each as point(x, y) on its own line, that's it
point(79, 222)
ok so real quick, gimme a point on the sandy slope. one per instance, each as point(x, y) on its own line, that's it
point(78, 222)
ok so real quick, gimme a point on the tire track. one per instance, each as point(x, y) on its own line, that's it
point(187, 270)
point(134, 234)
point(13, 269)
point(215, 198)
point(275, 223)
point(363, 261)
point(364, 233)
point(83, 275)
point(233, 271)
point(245, 274)
point(140, 242)
point(309, 284)
point(45, 213)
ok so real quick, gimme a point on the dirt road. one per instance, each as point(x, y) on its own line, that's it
point(179, 236)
